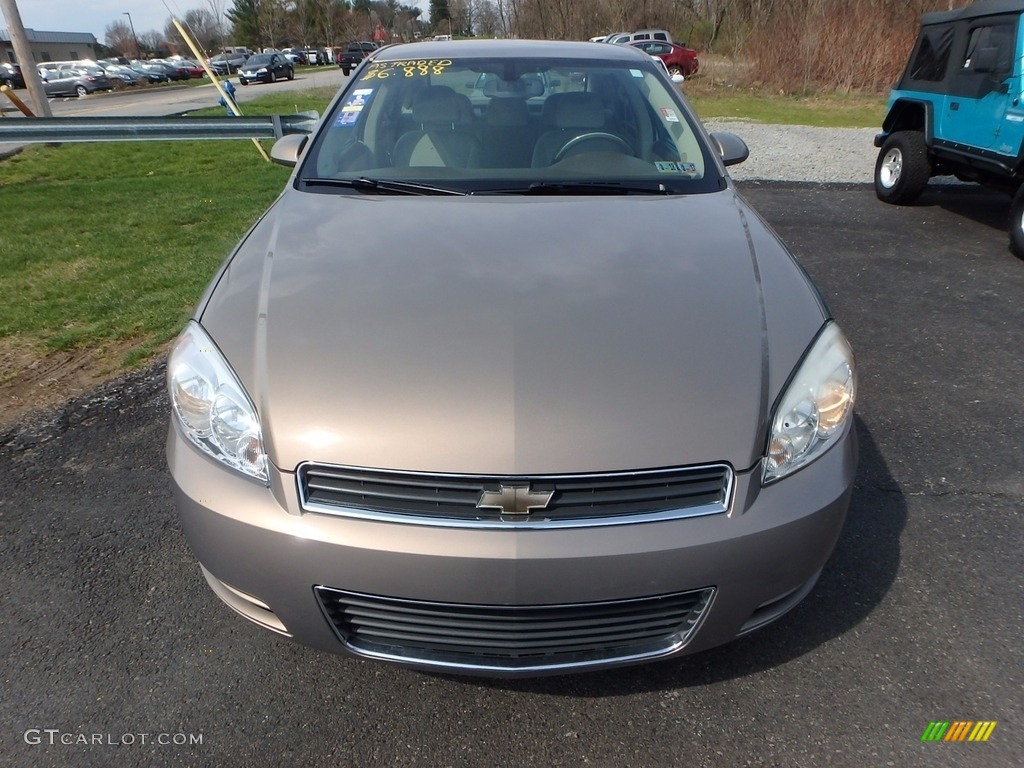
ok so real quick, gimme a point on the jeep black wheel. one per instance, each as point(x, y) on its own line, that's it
point(902, 169)
point(1017, 223)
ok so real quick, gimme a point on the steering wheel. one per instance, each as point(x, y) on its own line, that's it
point(620, 144)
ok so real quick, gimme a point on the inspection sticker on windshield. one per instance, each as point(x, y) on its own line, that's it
point(353, 106)
point(669, 114)
point(690, 169)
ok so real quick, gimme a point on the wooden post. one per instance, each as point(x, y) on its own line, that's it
point(23, 52)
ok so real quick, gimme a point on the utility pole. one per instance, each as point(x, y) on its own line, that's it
point(138, 51)
point(23, 52)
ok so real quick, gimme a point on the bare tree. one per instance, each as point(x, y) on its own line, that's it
point(118, 37)
point(202, 26)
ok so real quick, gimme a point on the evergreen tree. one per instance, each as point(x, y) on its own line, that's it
point(439, 11)
point(244, 18)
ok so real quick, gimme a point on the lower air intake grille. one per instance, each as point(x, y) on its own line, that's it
point(455, 636)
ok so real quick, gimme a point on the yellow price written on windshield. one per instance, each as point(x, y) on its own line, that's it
point(382, 70)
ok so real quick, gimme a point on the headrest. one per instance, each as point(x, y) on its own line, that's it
point(511, 112)
point(576, 110)
point(440, 104)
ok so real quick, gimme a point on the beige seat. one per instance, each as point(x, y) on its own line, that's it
point(444, 137)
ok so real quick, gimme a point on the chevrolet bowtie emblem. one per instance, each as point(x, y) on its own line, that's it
point(514, 499)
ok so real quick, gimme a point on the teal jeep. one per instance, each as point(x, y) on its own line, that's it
point(957, 108)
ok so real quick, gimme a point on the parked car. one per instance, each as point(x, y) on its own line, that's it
point(194, 68)
point(679, 59)
point(432, 434)
point(626, 38)
point(317, 56)
point(10, 75)
point(123, 77)
point(296, 56)
point(74, 80)
point(227, 63)
point(266, 68)
point(173, 71)
point(151, 73)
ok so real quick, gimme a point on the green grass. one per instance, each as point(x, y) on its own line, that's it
point(833, 111)
point(113, 243)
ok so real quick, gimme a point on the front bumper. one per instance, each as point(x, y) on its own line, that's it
point(265, 558)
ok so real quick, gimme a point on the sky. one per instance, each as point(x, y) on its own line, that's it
point(94, 15)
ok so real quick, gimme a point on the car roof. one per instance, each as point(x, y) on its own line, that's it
point(974, 10)
point(513, 49)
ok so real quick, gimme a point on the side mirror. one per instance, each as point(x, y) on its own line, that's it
point(287, 150)
point(985, 60)
point(731, 148)
point(677, 78)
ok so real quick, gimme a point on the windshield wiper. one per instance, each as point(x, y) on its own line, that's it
point(580, 188)
point(383, 186)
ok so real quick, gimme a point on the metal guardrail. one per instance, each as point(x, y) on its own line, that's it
point(37, 130)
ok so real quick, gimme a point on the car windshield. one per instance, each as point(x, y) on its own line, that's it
point(259, 60)
point(516, 125)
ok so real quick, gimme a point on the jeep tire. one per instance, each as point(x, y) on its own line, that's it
point(1016, 226)
point(902, 169)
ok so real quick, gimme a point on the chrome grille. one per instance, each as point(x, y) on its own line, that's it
point(450, 635)
point(578, 499)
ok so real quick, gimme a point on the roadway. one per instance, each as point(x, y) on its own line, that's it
point(170, 99)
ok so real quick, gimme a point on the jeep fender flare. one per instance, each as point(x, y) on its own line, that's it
point(908, 115)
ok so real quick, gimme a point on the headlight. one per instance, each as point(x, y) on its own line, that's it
point(261, 71)
point(815, 408)
point(212, 407)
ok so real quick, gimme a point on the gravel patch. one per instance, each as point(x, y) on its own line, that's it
point(802, 153)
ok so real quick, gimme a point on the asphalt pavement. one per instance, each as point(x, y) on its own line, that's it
point(115, 653)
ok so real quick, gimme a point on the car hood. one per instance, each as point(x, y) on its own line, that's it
point(512, 335)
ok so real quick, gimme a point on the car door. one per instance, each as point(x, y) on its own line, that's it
point(63, 81)
point(981, 88)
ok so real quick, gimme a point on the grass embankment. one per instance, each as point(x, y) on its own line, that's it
point(832, 111)
point(109, 246)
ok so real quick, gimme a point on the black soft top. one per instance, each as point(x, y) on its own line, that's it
point(973, 11)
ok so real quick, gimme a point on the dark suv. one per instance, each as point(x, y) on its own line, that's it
point(957, 108)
